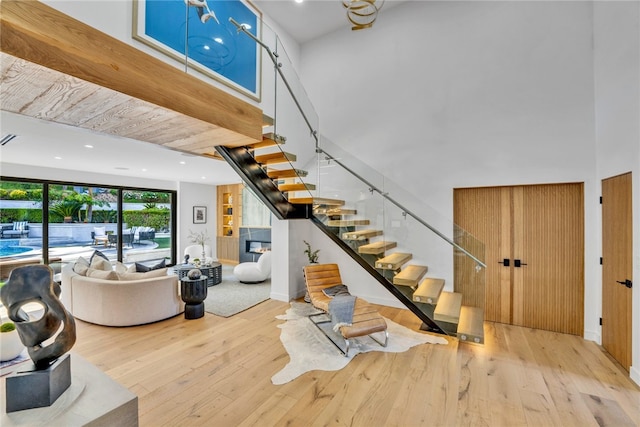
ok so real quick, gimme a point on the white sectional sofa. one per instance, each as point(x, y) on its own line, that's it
point(125, 299)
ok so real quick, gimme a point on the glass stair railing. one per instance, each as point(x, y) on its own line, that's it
point(433, 267)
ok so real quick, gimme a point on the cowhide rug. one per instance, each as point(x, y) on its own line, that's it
point(310, 350)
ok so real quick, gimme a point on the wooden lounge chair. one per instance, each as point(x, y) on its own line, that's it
point(366, 319)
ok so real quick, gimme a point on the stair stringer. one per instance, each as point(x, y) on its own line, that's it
point(255, 177)
point(429, 324)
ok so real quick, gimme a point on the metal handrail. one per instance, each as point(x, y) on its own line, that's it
point(314, 133)
point(278, 65)
point(405, 210)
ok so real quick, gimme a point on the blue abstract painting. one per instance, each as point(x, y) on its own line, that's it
point(200, 31)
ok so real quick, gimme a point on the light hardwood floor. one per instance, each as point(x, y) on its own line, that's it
point(216, 371)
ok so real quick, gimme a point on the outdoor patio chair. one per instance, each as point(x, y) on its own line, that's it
point(366, 319)
point(19, 229)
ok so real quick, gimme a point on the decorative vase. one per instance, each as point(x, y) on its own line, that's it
point(203, 257)
point(10, 345)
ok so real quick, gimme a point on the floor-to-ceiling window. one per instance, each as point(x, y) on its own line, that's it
point(126, 224)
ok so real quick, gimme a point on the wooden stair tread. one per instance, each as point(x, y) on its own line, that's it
point(347, 222)
point(334, 211)
point(471, 326)
point(268, 140)
point(393, 261)
point(316, 201)
point(376, 248)
point(277, 157)
point(361, 234)
point(448, 308)
point(410, 275)
point(286, 173)
point(429, 291)
point(298, 186)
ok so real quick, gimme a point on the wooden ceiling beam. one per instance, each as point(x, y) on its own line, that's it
point(40, 34)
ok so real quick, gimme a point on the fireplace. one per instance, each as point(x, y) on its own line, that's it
point(257, 246)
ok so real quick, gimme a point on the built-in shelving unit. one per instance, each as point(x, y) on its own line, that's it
point(229, 217)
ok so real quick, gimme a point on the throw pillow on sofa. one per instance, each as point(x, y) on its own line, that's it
point(81, 266)
point(101, 274)
point(122, 268)
point(141, 268)
point(97, 253)
point(98, 263)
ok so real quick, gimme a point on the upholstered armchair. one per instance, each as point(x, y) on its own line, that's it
point(254, 272)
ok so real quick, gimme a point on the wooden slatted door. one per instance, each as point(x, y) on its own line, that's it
point(486, 214)
point(541, 226)
point(548, 287)
point(617, 267)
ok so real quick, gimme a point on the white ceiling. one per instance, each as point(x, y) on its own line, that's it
point(312, 18)
point(47, 144)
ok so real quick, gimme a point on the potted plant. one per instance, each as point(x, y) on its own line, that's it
point(311, 254)
point(10, 344)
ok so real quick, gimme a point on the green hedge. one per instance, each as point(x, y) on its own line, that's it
point(157, 218)
point(11, 215)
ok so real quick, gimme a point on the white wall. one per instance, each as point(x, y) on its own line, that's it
point(190, 195)
point(617, 92)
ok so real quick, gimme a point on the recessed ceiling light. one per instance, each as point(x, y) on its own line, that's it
point(58, 158)
point(120, 168)
point(206, 47)
point(144, 170)
point(247, 26)
point(299, 1)
point(88, 146)
point(203, 177)
point(218, 40)
point(183, 162)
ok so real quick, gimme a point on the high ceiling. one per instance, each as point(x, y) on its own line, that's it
point(312, 18)
point(47, 144)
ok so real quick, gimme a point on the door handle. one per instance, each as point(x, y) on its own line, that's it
point(504, 262)
point(518, 263)
point(627, 283)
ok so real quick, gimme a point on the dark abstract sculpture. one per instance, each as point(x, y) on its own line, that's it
point(51, 374)
point(35, 284)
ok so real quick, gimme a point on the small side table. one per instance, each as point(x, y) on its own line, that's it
point(193, 293)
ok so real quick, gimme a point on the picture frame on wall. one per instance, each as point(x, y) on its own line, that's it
point(199, 214)
point(198, 34)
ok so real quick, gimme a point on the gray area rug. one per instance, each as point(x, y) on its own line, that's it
point(232, 297)
point(310, 350)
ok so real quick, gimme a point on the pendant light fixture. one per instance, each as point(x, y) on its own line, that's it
point(362, 13)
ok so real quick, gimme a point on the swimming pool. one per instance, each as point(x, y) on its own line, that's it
point(10, 247)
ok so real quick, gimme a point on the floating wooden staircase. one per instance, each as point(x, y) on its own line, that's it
point(439, 309)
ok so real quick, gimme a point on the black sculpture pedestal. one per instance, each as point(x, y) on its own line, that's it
point(193, 293)
point(38, 387)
